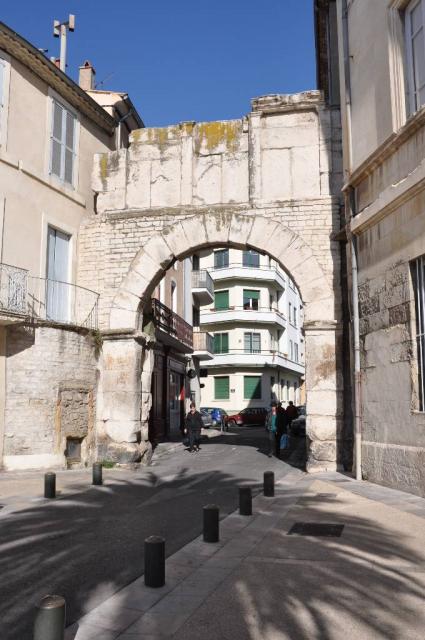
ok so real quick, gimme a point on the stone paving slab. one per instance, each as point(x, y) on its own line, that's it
point(258, 583)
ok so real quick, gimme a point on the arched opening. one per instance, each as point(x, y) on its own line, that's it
point(252, 234)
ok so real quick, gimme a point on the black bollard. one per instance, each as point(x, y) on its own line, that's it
point(50, 485)
point(97, 473)
point(269, 484)
point(154, 561)
point(49, 621)
point(245, 501)
point(211, 523)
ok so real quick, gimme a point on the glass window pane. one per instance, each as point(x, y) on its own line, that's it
point(69, 162)
point(256, 342)
point(247, 342)
point(418, 45)
point(70, 125)
point(56, 158)
point(57, 121)
point(221, 258)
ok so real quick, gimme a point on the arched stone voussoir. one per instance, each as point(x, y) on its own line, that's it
point(240, 229)
point(176, 238)
point(159, 251)
point(217, 225)
point(262, 230)
point(195, 231)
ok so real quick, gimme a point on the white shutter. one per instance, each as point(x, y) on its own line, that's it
point(63, 138)
point(57, 132)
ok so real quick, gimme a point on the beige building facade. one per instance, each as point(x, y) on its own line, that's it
point(49, 131)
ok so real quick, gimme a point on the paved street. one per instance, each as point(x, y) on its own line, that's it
point(89, 543)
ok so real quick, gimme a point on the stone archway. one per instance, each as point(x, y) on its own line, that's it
point(127, 360)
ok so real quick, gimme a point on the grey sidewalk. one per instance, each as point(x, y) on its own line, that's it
point(259, 583)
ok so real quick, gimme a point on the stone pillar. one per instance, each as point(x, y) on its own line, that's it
point(324, 396)
point(2, 389)
point(122, 413)
point(254, 155)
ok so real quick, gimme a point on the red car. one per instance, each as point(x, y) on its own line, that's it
point(248, 417)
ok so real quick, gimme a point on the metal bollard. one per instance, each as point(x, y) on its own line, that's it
point(245, 501)
point(97, 473)
point(50, 485)
point(154, 562)
point(269, 484)
point(211, 523)
point(49, 621)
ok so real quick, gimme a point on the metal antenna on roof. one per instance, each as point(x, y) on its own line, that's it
point(60, 30)
point(102, 82)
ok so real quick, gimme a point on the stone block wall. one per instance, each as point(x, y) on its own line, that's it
point(51, 377)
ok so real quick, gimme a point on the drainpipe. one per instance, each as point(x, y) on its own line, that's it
point(349, 201)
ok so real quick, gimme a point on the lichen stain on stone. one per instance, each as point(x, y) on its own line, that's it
point(103, 164)
point(211, 134)
point(327, 366)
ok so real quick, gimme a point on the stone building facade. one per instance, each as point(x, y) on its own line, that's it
point(383, 119)
point(270, 182)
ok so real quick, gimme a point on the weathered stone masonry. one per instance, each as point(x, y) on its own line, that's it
point(266, 181)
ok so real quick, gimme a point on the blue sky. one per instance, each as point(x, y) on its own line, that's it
point(187, 60)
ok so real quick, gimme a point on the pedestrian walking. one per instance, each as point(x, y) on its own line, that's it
point(193, 426)
point(282, 426)
point(271, 426)
point(291, 414)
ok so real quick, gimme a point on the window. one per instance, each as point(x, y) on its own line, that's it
point(252, 342)
point(272, 383)
point(290, 312)
point(418, 277)
point(221, 388)
point(221, 343)
point(63, 138)
point(252, 387)
point(295, 316)
point(415, 43)
point(221, 299)
point(196, 316)
point(4, 94)
point(173, 296)
point(250, 299)
point(251, 258)
point(195, 262)
point(296, 352)
point(221, 258)
point(291, 350)
point(57, 273)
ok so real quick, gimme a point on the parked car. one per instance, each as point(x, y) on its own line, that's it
point(249, 417)
point(209, 411)
point(206, 419)
point(298, 423)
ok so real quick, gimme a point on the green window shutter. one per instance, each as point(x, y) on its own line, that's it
point(222, 299)
point(217, 343)
point(252, 387)
point(221, 388)
point(224, 343)
point(251, 293)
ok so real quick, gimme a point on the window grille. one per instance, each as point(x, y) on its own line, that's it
point(418, 273)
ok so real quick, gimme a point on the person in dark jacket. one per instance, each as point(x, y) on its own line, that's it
point(193, 426)
point(291, 413)
point(282, 426)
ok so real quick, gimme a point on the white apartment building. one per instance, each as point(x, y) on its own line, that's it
point(256, 320)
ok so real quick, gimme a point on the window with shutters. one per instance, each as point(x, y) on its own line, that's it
point(251, 299)
point(221, 343)
point(63, 143)
point(252, 387)
point(250, 258)
point(252, 342)
point(418, 280)
point(221, 300)
point(221, 258)
point(415, 50)
point(4, 95)
point(221, 388)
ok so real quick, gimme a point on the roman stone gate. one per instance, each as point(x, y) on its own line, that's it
point(270, 182)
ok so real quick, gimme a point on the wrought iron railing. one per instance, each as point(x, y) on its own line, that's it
point(203, 341)
point(167, 320)
point(62, 302)
point(202, 280)
point(13, 289)
point(270, 309)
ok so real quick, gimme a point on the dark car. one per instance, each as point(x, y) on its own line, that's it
point(298, 423)
point(249, 417)
point(206, 419)
point(223, 413)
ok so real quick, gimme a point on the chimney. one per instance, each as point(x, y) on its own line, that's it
point(86, 76)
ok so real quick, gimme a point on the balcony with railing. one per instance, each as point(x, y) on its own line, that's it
point(170, 328)
point(257, 315)
point(203, 345)
point(202, 286)
point(244, 271)
point(27, 297)
point(255, 358)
